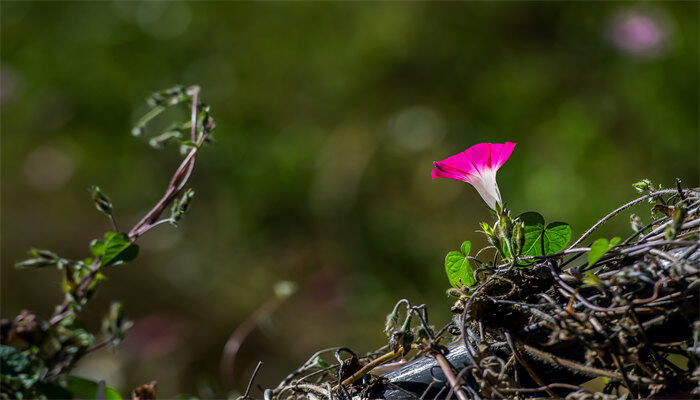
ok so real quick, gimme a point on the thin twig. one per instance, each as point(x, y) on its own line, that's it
point(250, 382)
point(525, 365)
point(619, 210)
point(234, 342)
point(451, 378)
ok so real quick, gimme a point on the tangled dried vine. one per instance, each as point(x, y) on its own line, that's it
point(547, 328)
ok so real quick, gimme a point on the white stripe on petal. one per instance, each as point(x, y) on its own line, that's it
point(485, 184)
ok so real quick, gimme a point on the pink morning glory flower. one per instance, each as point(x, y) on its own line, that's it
point(477, 165)
point(641, 33)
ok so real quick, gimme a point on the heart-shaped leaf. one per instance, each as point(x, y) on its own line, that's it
point(541, 240)
point(599, 248)
point(459, 272)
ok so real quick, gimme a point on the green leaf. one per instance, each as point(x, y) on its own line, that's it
point(534, 227)
point(643, 186)
point(97, 247)
point(81, 388)
point(541, 240)
point(459, 272)
point(591, 280)
point(599, 248)
point(12, 362)
point(189, 143)
point(42, 258)
point(556, 237)
point(114, 249)
point(321, 363)
point(466, 248)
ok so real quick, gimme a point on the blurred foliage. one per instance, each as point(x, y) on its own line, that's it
point(329, 116)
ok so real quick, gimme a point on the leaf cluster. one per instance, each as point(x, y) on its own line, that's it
point(37, 355)
point(513, 238)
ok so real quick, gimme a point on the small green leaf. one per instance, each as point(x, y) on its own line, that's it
point(158, 142)
point(97, 247)
point(321, 363)
point(541, 240)
point(189, 143)
point(599, 248)
point(114, 249)
point(42, 258)
point(466, 248)
point(12, 362)
point(180, 206)
point(591, 280)
point(643, 186)
point(459, 272)
point(81, 388)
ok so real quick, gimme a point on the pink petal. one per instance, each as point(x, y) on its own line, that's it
point(477, 165)
point(479, 157)
point(484, 156)
point(442, 171)
point(500, 153)
point(458, 163)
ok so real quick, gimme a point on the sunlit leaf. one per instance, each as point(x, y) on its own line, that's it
point(114, 249)
point(459, 272)
point(599, 248)
point(541, 240)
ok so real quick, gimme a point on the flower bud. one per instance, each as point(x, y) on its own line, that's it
point(636, 222)
point(102, 202)
point(518, 237)
point(676, 224)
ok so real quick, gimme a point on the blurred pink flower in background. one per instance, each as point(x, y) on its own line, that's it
point(477, 165)
point(640, 33)
point(156, 335)
point(327, 289)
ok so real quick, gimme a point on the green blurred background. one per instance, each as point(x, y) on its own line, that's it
point(329, 116)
